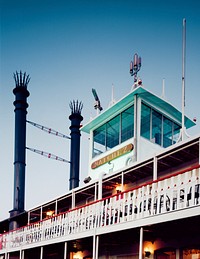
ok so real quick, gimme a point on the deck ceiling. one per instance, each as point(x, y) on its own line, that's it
point(182, 156)
point(187, 153)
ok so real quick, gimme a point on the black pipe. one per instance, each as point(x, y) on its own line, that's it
point(21, 93)
point(75, 118)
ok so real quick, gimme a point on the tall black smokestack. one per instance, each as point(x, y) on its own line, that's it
point(75, 118)
point(21, 93)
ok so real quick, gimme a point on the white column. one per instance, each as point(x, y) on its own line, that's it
point(56, 207)
point(28, 217)
point(41, 252)
point(94, 247)
point(155, 163)
point(73, 199)
point(177, 253)
point(101, 175)
point(65, 251)
point(97, 247)
point(199, 151)
point(141, 244)
point(122, 181)
point(95, 191)
point(136, 129)
point(41, 213)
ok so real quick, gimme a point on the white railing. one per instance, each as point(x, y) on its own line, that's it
point(174, 193)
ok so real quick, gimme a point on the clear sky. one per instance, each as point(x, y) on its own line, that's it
point(70, 47)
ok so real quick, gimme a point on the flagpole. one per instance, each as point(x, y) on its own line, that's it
point(183, 77)
point(183, 132)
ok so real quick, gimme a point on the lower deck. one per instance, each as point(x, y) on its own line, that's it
point(173, 240)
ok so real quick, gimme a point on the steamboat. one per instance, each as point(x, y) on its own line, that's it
point(140, 198)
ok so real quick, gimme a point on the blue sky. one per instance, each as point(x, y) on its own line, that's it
point(70, 47)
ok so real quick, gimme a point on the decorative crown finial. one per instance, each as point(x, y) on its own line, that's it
point(76, 107)
point(21, 79)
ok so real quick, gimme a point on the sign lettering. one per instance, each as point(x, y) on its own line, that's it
point(112, 156)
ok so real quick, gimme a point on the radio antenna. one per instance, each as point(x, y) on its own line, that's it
point(135, 66)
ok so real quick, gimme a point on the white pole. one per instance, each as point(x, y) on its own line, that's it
point(65, 250)
point(155, 168)
point(141, 243)
point(183, 78)
point(94, 246)
point(41, 252)
point(97, 247)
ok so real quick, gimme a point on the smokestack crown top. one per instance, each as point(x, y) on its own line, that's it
point(21, 79)
point(76, 107)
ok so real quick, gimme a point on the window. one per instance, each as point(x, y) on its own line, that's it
point(145, 121)
point(114, 132)
point(127, 124)
point(99, 140)
point(167, 132)
point(176, 132)
point(158, 128)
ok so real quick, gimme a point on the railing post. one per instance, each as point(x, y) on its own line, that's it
point(179, 181)
point(159, 196)
point(153, 197)
point(171, 193)
point(134, 206)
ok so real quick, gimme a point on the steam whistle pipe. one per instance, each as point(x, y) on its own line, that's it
point(21, 93)
point(75, 118)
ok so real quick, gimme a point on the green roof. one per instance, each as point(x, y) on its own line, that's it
point(145, 95)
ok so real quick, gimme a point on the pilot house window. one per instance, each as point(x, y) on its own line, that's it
point(113, 132)
point(158, 128)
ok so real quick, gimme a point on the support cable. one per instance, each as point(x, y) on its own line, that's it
point(48, 155)
point(48, 130)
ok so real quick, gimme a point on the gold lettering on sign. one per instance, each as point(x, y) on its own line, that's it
point(112, 156)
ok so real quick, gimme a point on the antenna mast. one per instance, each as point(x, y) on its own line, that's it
point(183, 129)
point(135, 66)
